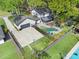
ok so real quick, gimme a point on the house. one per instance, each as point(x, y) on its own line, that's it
point(21, 22)
point(2, 36)
point(25, 36)
point(44, 14)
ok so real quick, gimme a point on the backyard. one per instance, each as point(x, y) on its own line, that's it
point(8, 51)
point(57, 51)
point(63, 47)
point(44, 42)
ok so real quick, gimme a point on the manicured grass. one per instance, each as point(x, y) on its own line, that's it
point(36, 46)
point(63, 47)
point(41, 43)
point(4, 13)
point(28, 53)
point(60, 49)
point(8, 51)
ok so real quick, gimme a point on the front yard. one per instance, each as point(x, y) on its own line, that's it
point(8, 51)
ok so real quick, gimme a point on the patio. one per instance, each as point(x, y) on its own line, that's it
point(51, 29)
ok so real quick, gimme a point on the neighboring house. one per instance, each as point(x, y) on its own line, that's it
point(2, 36)
point(43, 13)
point(21, 22)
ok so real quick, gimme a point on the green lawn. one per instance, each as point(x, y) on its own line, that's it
point(53, 51)
point(4, 13)
point(8, 51)
point(37, 46)
point(27, 53)
point(41, 43)
point(63, 47)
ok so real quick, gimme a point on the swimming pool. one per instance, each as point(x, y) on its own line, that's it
point(51, 29)
point(75, 54)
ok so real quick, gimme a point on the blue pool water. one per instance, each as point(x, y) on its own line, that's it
point(51, 29)
point(75, 54)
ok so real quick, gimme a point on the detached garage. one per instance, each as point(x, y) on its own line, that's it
point(2, 36)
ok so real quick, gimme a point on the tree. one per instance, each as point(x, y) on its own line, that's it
point(64, 8)
point(36, 3)
point(10, 5)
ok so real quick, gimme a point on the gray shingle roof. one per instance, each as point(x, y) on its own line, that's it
point(42, 10)
point(33, 18)
point(1, 33)
point(19, 19)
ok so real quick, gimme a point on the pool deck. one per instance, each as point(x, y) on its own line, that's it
point(68, 56)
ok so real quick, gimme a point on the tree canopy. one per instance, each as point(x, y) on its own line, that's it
point(61, 8)
point(9, 5)
point(64, 8)
point(36, 3)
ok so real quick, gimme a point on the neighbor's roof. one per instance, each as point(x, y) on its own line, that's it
point(42, 10)
point(1, 33)
point(47, 19)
